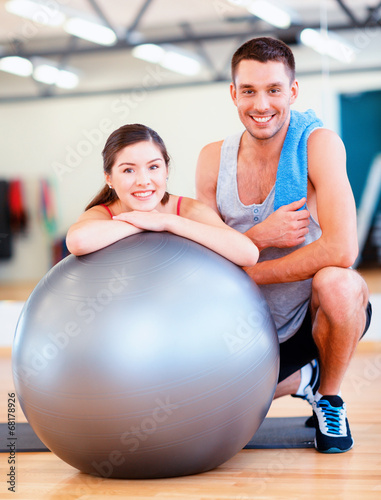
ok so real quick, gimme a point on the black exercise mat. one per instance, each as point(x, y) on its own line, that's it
point(287, 432)
point(274, 433)
point(26, 439)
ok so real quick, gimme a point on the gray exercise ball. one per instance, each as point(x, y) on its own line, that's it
point(153, 357)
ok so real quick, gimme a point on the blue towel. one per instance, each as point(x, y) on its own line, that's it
point(291, 180)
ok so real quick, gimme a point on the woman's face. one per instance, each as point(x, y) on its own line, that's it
point(139, 176)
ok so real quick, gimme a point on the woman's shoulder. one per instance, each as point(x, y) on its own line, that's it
point(190, 206)
point(98, 212)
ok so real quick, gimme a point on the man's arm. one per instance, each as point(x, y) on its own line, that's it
point(208, 166)
point(336, 211)
point(286, 227)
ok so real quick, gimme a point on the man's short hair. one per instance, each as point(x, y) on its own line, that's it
point(265, 49)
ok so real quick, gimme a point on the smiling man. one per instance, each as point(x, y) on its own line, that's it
point(283, 182)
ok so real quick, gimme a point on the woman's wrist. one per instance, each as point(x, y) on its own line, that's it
point(171, 223)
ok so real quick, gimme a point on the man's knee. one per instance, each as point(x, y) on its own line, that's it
point(335, 287)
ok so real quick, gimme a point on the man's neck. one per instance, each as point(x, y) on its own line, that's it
point(265, 148)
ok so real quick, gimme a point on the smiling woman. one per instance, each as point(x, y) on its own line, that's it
point(139, 176)
point(115, 154)
point(135, 199)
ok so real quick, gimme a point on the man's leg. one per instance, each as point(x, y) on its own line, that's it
point(295, 354)
point(338, 309)
point(338, 305)
point(288, 386)
point(300, 349)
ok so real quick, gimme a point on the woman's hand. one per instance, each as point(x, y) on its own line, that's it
point(95, 230)
point(201, 224)
point(149, 221)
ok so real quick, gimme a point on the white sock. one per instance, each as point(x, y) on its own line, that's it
point(305, 378)
point(318, 396)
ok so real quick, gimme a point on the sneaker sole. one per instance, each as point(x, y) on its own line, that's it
point(332, 450)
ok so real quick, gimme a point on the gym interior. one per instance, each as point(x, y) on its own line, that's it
point(62, 94)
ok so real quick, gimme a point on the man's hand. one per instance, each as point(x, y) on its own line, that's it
point(285, 228)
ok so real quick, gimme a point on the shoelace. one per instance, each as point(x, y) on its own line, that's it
point(334, 417)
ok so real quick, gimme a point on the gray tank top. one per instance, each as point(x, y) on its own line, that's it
point(288, 302)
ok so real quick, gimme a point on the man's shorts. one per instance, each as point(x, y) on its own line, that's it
point(300, 349)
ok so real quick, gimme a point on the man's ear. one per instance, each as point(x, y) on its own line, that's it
point(294, 91)
point(233, 93)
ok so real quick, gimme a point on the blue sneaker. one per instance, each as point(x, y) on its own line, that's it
point(332, 429)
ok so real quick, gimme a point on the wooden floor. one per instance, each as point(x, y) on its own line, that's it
point(260, 474)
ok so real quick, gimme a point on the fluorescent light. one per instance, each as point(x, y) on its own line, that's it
point(36, 11)
point(49, 14)
point(329, 44)
point(180, 63)
point(149, 52)
point(42, 72)
point(16, 65)
point(169, 57)
point(51, 75)
point(90, 31)
point(66, 79)
point(46, 74)
point(270, 13)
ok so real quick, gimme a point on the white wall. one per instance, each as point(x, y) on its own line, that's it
point(62, 140)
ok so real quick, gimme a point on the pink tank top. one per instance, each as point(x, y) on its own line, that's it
point(108, 210)
point(178, 205)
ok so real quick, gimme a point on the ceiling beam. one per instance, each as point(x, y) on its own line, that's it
point(349, 13)
point(200, 49)
point(135, 23)
point(289, 36)
point(102, 16)
point(372, 20)
point(374, 15)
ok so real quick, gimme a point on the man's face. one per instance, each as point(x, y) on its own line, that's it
point(263, 94)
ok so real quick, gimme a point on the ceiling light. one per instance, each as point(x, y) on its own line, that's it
point(148, 52)
point(45, 74)
point(36, 11)
point(16, 65)
point(90, 31)
point(51, 75)
point(329, 44)
point(180, 63)
point(66, 79)
point(271, 13)
point(169, 57)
